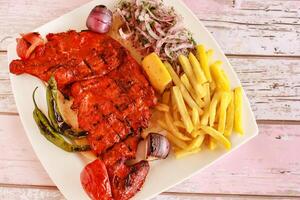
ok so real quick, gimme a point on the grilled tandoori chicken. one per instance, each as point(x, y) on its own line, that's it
point(123, 98)
point(72, 56)
point(112, 98)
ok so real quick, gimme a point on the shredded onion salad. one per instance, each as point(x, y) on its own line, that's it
point(152, 26)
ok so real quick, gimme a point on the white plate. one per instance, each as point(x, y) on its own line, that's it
point(64, 168)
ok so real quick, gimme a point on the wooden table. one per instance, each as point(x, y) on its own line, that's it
point(262, 41)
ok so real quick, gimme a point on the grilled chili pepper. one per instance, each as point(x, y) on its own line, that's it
point(53, 118)
point(54, 114)
point(51, 112)
point(50, 134)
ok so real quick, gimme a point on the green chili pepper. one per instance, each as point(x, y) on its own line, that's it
point(51, 113)
point(50, 134)
point(63, 129)
point(52, 101)
point(54, 114)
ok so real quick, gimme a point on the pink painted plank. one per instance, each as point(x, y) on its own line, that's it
point(19, 164)
point(32, 193)
point(269, 164)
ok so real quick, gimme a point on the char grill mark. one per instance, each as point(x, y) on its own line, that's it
point(118, 104)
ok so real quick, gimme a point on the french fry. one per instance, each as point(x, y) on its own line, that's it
point(218, 112)
point(218, 76)
point(229, 117)
point(173, 129)
point(175, 141)
point(200, 108)
point(205, 116)
point(163, 125)
point(196, 133)
point(209, 54)
point(226, 77)
point(212, 143)
point(182, 109)
point(187, 68)
point(166, 97)
point(196, 143)
point(179, 124)
point(225, 100)
point(183, 152)
point(217, 135)
point(202, 57)
point(206, 139)
point(212, 87)
point(238, 104)
point(190, 111)
point(162, 107)
point(175, 113)
point(184, 79)
point(199, 102)
point(213, 106)
point(199, 74)
point(195, 117)
point(207, 96)
point(187, 97)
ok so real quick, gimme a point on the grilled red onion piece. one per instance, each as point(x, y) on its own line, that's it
point(99, 19)
point(157, 146)
point(28, 44)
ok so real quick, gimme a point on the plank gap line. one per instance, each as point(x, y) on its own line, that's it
point(259, 121)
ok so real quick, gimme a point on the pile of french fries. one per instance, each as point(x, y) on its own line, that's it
point(200, 109)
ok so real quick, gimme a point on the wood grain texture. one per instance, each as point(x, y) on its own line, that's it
point(21, 16)
point(262, 39)
point(272, 161)
point(14, 193)
point(51, 193)
point(269, 27)
point(272, 85)
point(245, 27)
point(185, 196)
point(7, 102)
point(269, 160)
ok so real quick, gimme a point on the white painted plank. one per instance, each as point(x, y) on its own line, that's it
point(246, 27)
point(14, 193)
point(269, 27)
point(272, 85)
point(7, 102)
